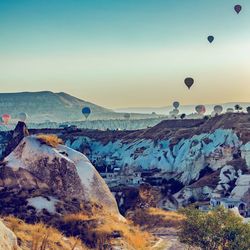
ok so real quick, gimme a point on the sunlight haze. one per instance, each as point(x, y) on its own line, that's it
point(129, 53)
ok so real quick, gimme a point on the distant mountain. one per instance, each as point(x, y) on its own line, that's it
point(49, 106)
point(183, 108)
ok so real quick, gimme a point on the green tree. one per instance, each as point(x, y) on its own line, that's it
point(238, 107)
point(217, 229)
point(183, 116)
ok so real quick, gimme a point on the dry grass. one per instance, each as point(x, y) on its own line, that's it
point(109, 225)
point(168, 215)
point(78, 217)
point(50, 140)
point(155, 218)
point(41, 237)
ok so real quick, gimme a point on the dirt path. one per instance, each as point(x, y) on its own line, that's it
point(168, 240)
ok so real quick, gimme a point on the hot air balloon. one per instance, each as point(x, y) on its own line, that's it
point(176, 105)
point(127, 116)
point(6, 118)
point(174, 113)
point(189, 81)
point(238, 8)
point(230, 110)
point(86, 112)
point(22, 117)
point(210, 39)
point(218, 109)
point(200, 109)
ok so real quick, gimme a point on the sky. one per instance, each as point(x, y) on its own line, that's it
point(127, 53)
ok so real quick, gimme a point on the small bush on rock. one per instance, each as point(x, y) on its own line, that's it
point(50, 140)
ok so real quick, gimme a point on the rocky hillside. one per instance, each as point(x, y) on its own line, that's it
point(42, 106)
point(195, 159)
point(192, 155)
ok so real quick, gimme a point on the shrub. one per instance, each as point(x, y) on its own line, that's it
point(102, 229)
point(154, 218)
point(50, 140)
point(217, 229)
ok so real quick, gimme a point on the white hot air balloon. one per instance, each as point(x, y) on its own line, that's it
point(218, 109)
point(173, 113)
point(22, 117)
point(176, 111)
point(230, 110)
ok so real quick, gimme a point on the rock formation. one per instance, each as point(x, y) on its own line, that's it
point(18, 134)
point(39, 182)
point(8, 240)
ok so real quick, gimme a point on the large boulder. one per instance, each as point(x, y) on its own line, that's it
point(8, 240)
point(38, 181)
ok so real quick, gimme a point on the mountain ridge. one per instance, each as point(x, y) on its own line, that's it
point(48, 106)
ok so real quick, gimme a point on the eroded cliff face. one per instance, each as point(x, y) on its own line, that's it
point(209, 160)
point(38, 181)
point(185, 159)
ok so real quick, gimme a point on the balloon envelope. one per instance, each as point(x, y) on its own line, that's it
point(6, 118)
point(175, 111)
point(218, 109)
point(22, 116)
point(176, 105)
point(230, 110)
point(86, 112)
point(238, 8)
point(200, 109)
point(210, 39)
point(189, 81)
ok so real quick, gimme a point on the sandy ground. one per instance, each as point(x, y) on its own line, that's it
point(168, 240)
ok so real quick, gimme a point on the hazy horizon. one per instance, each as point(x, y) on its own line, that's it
point(132, 53)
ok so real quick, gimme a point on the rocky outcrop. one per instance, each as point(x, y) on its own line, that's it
point(185, 160)
point(8, 240)
point(205, 160)
point(38, 181)
point(17, 135)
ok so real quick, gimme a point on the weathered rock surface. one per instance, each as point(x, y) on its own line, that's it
point(38, 181)
point(8, 240)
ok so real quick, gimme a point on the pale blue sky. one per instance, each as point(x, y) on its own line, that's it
point(120, 53)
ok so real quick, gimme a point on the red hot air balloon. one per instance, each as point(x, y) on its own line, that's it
point(6, 118)
point(237, 8)
point(189, 82)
